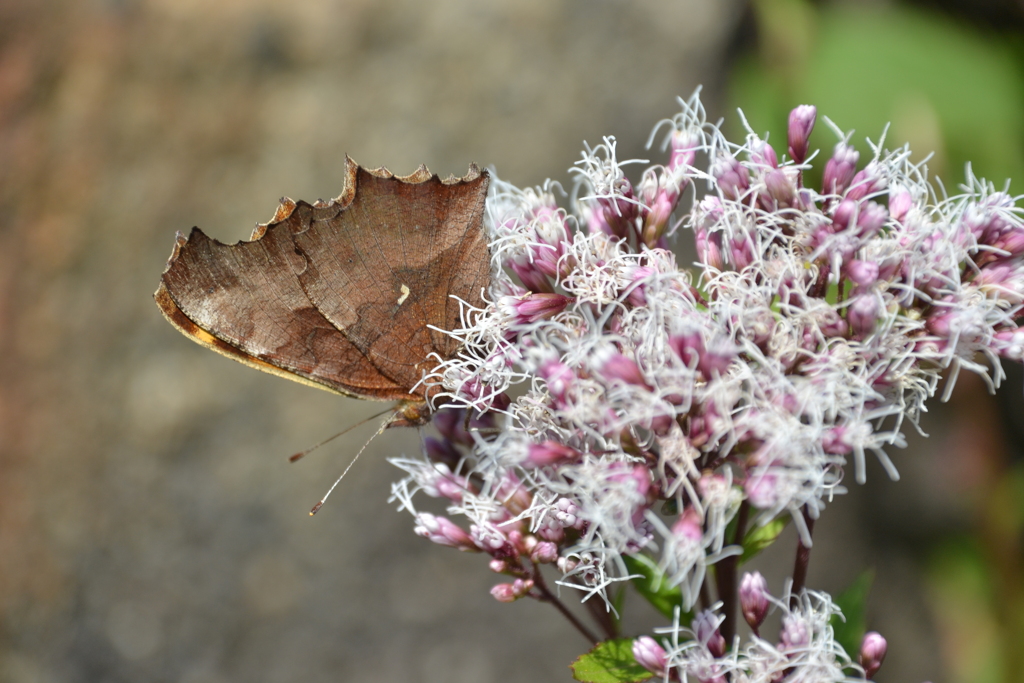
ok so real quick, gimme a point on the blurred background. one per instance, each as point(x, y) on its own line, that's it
point(151, 528)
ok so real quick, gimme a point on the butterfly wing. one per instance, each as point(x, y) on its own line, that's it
point(323, 315)
point(389, 270)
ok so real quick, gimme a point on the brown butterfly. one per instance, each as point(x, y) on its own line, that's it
point(351, 295)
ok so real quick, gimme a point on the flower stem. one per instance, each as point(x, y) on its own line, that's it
point(725, 577)
point(803, 557)
point(547, 596)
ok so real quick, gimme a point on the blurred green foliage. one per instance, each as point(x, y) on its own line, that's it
point(944, 87)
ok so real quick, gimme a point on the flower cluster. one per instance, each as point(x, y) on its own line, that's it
point(806, 649)
point(608, 403)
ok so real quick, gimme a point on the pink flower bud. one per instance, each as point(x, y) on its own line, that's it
point(533, 306)
point(689, 346)
point(733, 178)
point(899, 205)
point(684, 145)
point(504, 592)
point(615, 366)
point(637, 275)
point(761, 490)
point(510, 592)
point(941, 324)
point(545, 552)
point(795, 634)
point(801, 123)
point(489, 539)
point(871, 218)
point(763, 154)
point(529, 274)
point(863, 314)
point(1010, 240)
point(867, 182)
point(754, 599)
point(840, 169)
point(559, 377)
point(844, 215)
point(498, 566)
point(863, 273)
point(741, 251)
point(1010, 344)
point(614, 215)
point(650, 655)
point(780, 188)
point(550, 453)
point(1004, 279)
point(566, 564)
point(836, 441)
point(872, 653)
point(985, 220)
point(443, 531)
point(705, 627)
point(709, 248)
point(716, 358)
point(689, 526)
point(566, 513)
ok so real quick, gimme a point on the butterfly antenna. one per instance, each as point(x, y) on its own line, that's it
point(383, 426)
point(346, 430)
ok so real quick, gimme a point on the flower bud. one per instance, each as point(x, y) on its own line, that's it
point(689, 526)
point(754, 599)
point(545, 552)
point(443, 531)
point(871, 218)
point(489, 539)
point(844, 215)
point(801, 123)
point(684, 145)
point(532, 277)
point(899, 204)
point(615, 366)
point(550, 453)
point(840, 169)
point(709, 248)
point(863, 273)
point(650, 655)
point(867, 182)
point(1010, 344)
point(872, 653)
point(637, 275)
point(510, 592)
point(559, 377)
point(534, 306)
point(716, 358)
point(863, 314)
point(780, 188)
point(795, 634)
point(705, 627)
point(733, 178)
point(762, 153)
point(762, 490)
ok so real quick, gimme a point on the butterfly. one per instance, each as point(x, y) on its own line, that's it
point(352, 295)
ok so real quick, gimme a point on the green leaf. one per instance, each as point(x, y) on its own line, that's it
point(610, 661)
point(651, 584)
point(760, 537)
point(853, 602)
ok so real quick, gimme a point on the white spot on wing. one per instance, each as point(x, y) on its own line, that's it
point(405, 295)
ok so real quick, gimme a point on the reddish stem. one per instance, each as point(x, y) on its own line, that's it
point(803, 558)
point(547, 596)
